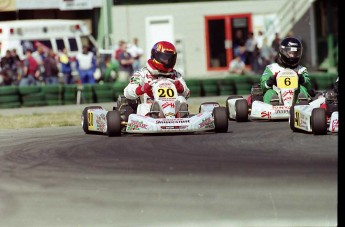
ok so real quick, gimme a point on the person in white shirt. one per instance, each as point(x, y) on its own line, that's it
point(86, 66)
point(237, 66)
point(136, 52)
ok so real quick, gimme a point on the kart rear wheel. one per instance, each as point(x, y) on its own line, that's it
point(86, 119)
point(227, 104)
point(242, 112)
point(113, 123)
point(220, 119)
point(292, 119)
point(318, 121)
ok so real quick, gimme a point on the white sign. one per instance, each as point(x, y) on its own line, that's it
point(75, 4)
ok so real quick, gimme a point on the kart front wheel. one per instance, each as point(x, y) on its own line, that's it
point(241, 107)
point(86, 118)
point(292, 119)
point(113, 123)
point(220, 119)
point(318, 121)
point(227, 103)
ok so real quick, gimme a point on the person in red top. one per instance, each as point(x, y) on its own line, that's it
point(119, 50)
point(30, 71)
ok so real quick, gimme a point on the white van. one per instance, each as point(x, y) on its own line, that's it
point(54, 34)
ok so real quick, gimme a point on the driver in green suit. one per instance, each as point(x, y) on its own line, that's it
point(290, 53)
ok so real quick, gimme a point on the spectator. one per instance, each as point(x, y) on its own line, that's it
point(111, 70)
point(260, 39)
point(86, 66)
point(250, 48)
point(50, 68)
point(8, 63)
point(238, 42)
point(66, 67)
point(136, 52)
point(266, 54)
point(15, 55)
point(275, 45)
point(30, 70)
point(237, 66)
point(125, 63)
point(118, 50)
point(39, 56)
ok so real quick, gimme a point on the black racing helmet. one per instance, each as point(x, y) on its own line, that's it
point(290, 52)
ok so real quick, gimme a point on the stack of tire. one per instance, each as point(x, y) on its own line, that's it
point(255, 79)
point(69, 94)
point(227, 86)
point(242, 85)
point(9, 97)
point(118, 88)
point(194, 86)
point(210, 87)
point(323, 81)
point(104, 92)
point(53, 94)
point(32, 96)
point(87, 94)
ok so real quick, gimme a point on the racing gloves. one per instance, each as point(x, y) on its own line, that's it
point(271, 81)
point(301, 79)
point(146, 88)
point(179, 86)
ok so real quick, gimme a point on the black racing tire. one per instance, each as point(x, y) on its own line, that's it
point(318, 121)
point(292, 119)
point(113, 123)
point(207, 103)
point(221, 122)
point(227, 105)
point(85, 117)
point(242, 111)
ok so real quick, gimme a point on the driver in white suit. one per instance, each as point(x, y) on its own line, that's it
point(161, 64)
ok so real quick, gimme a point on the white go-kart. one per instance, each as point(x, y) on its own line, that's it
point(319, 117)
point(166, 113)
point(279, 108)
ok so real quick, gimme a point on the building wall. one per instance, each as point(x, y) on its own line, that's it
point(189, 25)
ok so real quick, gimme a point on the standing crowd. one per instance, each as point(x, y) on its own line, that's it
point(251, 55)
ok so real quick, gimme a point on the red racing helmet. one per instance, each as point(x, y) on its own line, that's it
point(163, 56)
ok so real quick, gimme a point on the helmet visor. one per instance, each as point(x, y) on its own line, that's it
point(167, 59)
point(292, 52)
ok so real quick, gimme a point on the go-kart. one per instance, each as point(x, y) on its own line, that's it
point(319, 117)
point(241, 109)
point(165, 113)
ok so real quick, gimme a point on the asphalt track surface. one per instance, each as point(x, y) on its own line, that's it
point(259, 173)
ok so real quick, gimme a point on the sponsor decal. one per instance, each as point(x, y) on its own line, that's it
point(166, 104)
point(281, 111)
point(266, 114)
point(281, 107)
point(207, 123)
point(335, 124)
point(174, 127)
point(170, 114)
point(134, 80)
point(149, 76)
point(288, 93)
point(172, 121)
point(292, 44)
point(136, 125)
point(100, 122)
point(165, 84)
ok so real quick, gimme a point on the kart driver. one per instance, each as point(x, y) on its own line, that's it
point(289, 56)
point(161, 64)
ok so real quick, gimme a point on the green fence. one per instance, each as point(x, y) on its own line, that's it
point(14, 96)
